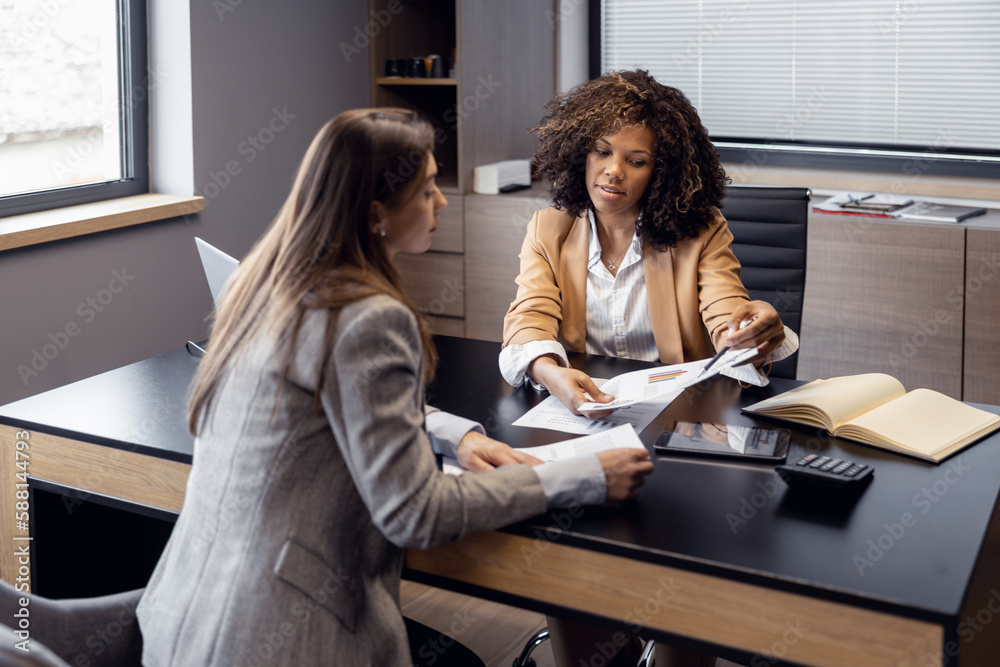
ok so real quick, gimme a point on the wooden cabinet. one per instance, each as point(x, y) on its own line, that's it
point(505, 73)
point(918, 301)
point(981, 377)
point(495, 227)
point(884, 297)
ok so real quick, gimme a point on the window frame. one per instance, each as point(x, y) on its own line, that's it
point(134, 84)
point(846, 156)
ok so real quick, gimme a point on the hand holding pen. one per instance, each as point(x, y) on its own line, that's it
point(753, 324)
point(725, 348)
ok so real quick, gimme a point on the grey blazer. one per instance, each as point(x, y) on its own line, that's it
point(290, 544)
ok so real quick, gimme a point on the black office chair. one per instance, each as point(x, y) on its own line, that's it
point(769, 239)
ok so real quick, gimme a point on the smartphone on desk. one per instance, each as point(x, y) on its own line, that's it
point(732, 441)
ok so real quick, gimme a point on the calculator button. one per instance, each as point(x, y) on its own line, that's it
point(854, 471)
point(830, 465)
point(806, 460)
point(820, 461)
point(842, 467)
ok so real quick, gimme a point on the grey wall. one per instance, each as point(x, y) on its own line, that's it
point(245, 64)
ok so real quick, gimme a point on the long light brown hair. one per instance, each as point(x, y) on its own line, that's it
point(320, 251)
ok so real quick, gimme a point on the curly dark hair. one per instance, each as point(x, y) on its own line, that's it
point(688, 180)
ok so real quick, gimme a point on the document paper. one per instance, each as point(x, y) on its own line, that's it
point(552, 414)
point(641, 386)
point(615, 438)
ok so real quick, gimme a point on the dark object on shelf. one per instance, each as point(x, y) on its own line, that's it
point(437, 68)
point(514, 187)
point(416, 68)
point(394, 67)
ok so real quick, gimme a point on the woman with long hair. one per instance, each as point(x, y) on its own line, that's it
point(313, 464)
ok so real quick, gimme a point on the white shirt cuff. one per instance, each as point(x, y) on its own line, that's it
point(752, 375)
point(574, 481)
point(446, 430)
point(515, 359)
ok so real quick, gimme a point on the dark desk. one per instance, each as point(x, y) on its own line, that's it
point(711, 553)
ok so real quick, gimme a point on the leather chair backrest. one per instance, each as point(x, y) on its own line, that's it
point(769, 238)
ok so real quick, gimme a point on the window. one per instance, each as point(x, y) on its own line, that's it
point(73, 113)
point(862, 84)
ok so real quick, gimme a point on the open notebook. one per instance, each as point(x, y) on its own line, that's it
point(875, 409)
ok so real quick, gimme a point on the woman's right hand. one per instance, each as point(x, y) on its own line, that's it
point(625, 470)
point(569, 385)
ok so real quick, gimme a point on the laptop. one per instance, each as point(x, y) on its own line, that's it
point(219, 267)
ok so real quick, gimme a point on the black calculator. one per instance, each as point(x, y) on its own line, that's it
point(825, 470)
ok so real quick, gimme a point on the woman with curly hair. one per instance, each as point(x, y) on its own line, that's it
point(633, 259)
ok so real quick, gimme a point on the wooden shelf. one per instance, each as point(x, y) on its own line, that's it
point(403, 81)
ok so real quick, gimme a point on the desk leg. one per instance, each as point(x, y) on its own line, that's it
point(15, 541)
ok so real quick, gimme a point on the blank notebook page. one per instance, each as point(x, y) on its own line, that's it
point(925, 421)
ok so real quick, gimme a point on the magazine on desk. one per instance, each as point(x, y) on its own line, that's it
point(870, 204)
point(875, 409)
point(879, 205)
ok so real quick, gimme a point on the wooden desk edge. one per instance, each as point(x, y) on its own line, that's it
point(91, 469)
point(751, 618)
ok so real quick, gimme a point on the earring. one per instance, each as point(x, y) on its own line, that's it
point(381, 232)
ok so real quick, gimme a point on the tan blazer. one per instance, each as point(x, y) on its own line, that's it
point(692, 288)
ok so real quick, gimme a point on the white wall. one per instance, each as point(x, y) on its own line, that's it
point(245, 63)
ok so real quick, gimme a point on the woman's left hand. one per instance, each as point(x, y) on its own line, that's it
point(479, 452)
point(763, 331)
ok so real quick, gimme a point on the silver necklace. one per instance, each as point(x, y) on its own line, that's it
point(612, 265)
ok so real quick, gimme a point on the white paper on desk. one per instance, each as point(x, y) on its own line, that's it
point(618, 437)
point(552, 414)
point(640, 386)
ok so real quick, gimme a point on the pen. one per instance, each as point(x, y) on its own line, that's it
point(718, 355)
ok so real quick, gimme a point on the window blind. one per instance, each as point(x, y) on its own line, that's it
point(882, 74)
